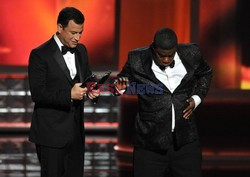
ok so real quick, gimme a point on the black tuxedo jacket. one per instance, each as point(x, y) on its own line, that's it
point(153, 123)
point(55, 118)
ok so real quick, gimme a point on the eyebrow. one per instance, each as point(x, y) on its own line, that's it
point(163, 55)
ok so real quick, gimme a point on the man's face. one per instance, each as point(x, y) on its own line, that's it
point(71, 34)
point(164, 57)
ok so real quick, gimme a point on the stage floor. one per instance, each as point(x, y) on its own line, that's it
point(18, 159)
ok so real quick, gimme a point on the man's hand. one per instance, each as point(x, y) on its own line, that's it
point(93, 93)
point(121, 83)
point(189, 110)
point(77, 92)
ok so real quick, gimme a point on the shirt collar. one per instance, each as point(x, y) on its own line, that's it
point(58, 42)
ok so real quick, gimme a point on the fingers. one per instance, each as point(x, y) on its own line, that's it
point(83, 90)
point(77, 92)
point(93, 94)
point(123, 79)
point(92, 85)
point(81, 93)
point(121, 83)
point(96, 92)
point(189, 109)
point(187, 114)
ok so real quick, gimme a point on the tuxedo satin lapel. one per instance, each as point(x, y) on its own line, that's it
point(60, 60)
point(147, 64)
point(79, 64)
point(57, 55)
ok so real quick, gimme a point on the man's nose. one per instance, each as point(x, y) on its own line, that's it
point(167, 59)
point(77, 37)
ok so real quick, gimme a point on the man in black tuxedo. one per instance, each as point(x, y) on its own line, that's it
point(57, 69)
point(166, 139)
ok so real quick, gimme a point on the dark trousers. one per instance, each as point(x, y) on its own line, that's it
point(67, 161)
point(184, 162)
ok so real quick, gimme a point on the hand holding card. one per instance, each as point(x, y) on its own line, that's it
point(98, 85)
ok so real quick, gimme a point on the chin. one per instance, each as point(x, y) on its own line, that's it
point(73, 45)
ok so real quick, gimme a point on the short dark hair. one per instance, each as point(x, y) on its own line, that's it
point(70, 13)
point(165, 38)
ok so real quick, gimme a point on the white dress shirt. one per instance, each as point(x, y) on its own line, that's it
point(171, 78)
point(69, 58)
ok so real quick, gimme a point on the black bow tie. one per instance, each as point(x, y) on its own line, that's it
point(171, 65)
point(65, 49)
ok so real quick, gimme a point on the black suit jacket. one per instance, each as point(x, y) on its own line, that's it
point(55, 118)
point(153, 124)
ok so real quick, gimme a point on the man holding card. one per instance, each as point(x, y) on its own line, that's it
point(57, 70)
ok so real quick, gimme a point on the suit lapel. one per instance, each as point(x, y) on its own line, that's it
point(60, 60)
point(147, 64)
point(79, 64)
point(57, 55)
point(190, 70)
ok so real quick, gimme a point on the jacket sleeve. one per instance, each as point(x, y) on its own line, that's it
point(126, 72)
point(203, 74)
point(40, 93)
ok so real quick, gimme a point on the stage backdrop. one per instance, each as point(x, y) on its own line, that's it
point(25, 24)
point(222, 31)
point(225, 40)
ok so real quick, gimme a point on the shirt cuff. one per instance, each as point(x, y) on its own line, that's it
point(197, 100)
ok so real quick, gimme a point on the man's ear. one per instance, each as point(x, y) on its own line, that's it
point(59, 28)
